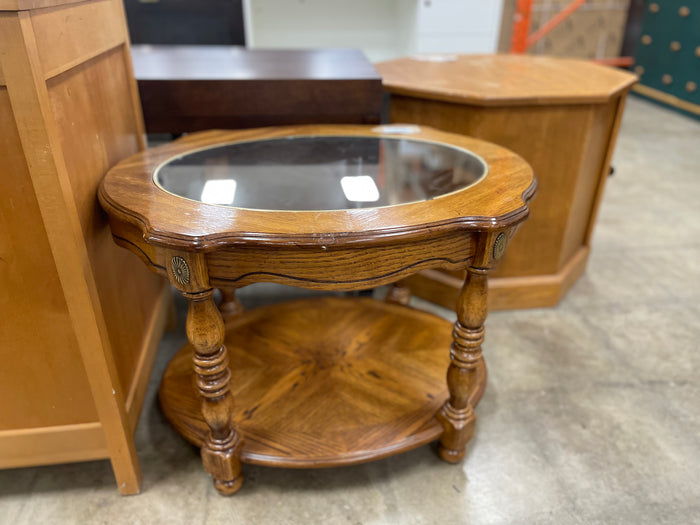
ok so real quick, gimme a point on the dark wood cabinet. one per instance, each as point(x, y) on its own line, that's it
point(194, 88)
point(185, 22)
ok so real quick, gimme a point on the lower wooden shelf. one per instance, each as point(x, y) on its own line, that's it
point(325, 382)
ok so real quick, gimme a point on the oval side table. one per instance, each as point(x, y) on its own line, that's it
point(326, 381)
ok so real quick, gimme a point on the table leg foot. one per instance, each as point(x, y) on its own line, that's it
point(228, 488)
point(221, 461)
point(459, 429)
point(450, 456)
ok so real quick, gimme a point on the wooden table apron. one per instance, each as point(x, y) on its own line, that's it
point(199, 247)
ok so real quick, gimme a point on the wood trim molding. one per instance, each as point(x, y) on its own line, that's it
point(667, 99)
point(80, 60)
point(24, 5)
point(50, 445)
point(66, 38)
point(537, 291)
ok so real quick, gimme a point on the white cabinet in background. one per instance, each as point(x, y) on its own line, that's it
point(383, 29)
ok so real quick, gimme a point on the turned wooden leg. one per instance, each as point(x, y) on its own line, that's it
point(229, 303)
point(457, 415)
point(399, 293)
point(221, 451)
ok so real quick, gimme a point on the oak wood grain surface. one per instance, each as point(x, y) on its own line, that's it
point(504, 80)
point(562, 116)
point(326, 381)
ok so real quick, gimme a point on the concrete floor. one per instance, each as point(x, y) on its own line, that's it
point(591, 415)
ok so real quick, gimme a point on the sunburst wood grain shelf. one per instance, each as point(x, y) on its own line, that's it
point(325, 382)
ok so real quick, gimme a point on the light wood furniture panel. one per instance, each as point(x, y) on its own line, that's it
point(81, 318)
point(562, 116)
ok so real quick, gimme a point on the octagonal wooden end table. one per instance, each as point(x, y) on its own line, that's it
point(331, 380)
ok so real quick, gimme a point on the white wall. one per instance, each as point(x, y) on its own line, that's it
point(383, 29)
point(458, 26)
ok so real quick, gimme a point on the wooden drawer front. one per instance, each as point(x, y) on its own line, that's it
point(338, 269)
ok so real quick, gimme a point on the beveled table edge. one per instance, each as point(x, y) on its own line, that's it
point(129, 194)
point(620, 81)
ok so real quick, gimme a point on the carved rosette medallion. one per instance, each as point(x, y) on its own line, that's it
point(499, 247)
point(181, 272)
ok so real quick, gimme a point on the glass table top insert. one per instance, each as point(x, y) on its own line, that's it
point(320, 173)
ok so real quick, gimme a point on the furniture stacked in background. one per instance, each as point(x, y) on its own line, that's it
point(193, 88)
point(81, 318)
point(561, 115)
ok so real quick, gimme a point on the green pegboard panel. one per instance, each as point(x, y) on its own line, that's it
point(668, 54)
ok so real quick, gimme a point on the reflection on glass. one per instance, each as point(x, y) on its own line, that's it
point(360, 188)
point(320, 173)
point(221, 191)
